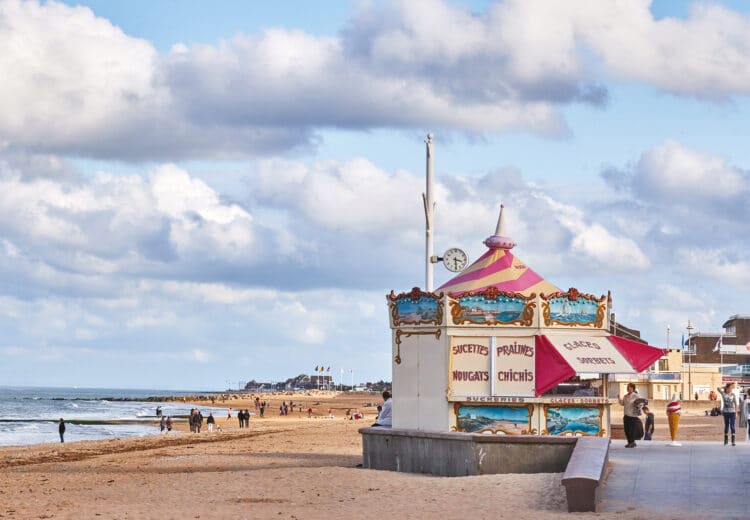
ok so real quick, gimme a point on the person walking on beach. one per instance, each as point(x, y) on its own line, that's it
point(210, 422)
point(169, 424)
point(385, 417)
point(61, 429)
point(729, 411)
point(630, 414)
point(162, 423)
point(241, 418)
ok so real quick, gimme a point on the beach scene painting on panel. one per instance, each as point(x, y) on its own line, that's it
point(572, 420)
point(419, 310)
point(506, 419)
point(565, 310)
point(504, 309)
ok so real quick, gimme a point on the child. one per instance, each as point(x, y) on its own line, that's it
point(649, 426)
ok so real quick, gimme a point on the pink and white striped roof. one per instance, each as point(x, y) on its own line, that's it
point(498, 268)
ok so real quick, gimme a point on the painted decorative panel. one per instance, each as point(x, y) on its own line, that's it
point(573, 420)
point(571, 309)
point(416, 308)
point(510, 420)
point(492, 307)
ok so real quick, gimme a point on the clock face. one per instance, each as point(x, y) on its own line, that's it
point(455, 260)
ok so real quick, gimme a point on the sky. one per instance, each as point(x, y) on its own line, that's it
point(195, 194)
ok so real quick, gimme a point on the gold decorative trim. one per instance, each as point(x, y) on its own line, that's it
point(415, 294)
point(408, 333)
point(529, 407)
point(573, 295)
point(492, 293)
point(601, 432)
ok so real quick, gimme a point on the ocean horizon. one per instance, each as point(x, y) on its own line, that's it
point(30, 415)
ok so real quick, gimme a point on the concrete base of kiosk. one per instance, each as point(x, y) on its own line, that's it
point(455, 454)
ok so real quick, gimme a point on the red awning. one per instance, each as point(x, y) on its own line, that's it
point(558, 358)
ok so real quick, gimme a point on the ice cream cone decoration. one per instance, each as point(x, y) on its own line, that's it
point(674, 410)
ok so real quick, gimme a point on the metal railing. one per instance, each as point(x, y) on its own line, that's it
point(646, 377)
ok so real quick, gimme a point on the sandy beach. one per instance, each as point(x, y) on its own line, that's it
point(281, 467)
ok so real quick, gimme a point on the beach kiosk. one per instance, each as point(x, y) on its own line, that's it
point(500, 350)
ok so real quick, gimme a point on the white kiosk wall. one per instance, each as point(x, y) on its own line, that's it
point(419, 383)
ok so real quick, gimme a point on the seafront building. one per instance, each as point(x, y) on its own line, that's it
point(706, 361)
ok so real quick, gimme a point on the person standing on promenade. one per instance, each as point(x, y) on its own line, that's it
point(728, 410)
point(630, 414)
point(649, 426)
point(742, 415)
point(61, 429)
point(746, 410)
point(385, 417)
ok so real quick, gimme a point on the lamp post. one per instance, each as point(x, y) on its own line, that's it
point(690, 361)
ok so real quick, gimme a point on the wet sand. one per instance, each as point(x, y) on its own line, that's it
point(281, 467)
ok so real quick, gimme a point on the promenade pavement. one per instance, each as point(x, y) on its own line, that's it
point(705, 479)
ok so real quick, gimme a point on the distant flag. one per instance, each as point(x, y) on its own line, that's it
point(717, 347)
point(316, 368)
point(684, 341)
point(322, 368)
point(329, 369)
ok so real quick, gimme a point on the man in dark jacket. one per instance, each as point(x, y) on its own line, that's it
point(61, 429)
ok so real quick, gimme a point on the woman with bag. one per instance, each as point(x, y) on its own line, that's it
point(631, 423)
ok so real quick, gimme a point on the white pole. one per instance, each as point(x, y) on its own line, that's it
point(429, 212)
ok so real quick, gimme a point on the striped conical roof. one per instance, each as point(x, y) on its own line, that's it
point(498, 268)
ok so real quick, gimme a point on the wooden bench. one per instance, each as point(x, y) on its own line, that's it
point(584, 472)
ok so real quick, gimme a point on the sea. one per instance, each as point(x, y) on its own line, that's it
point(30, 415)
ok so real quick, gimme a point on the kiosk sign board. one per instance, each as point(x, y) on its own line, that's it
point(469, 372)
point(513, 370)
point(590, 354)
point(481, 366)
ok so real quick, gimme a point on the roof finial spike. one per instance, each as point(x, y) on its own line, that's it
point(499, 230)
point(499, 240)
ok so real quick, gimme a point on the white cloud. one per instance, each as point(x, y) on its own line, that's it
point(355, 196)
point(671, 170)
point(713, 264)
point(91, 89)
point(706, 55)
point(164, 221)
point(70, 75)
point(595, 243)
